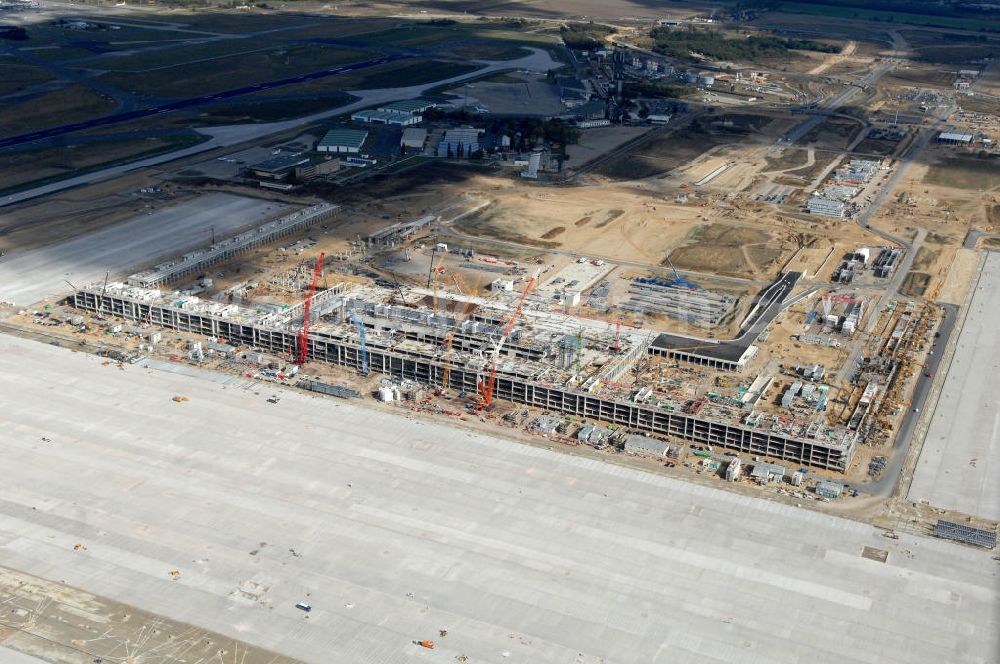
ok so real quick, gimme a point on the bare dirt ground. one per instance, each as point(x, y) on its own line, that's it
point(731, 250)
point(598, 141)
point(609, 221)
point(951, 192)
point(56, 622)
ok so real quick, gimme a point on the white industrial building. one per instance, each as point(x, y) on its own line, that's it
point(764, 472)
point(534, 164)
point(826, 207)
point(839, 192)
point(733, 470)
point(646, 446)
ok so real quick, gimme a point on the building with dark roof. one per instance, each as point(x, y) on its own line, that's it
point(343, 140)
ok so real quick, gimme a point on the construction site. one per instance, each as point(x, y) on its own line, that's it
point(395, 308)
point(390, 332)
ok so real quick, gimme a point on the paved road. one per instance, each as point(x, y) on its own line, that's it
point(864, 219)
point(886, 483)
point(972, 238)
point(821, 114)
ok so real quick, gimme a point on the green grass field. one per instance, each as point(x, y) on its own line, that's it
point(179, 55)
point(18, 75)
point(394, 74)
point(414, 72)
point(31, 168)
point(890, 17)
point(233, 71)
point(265, 110)
point(70, 104)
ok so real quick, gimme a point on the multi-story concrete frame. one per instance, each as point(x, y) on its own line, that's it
point(196, 261)
point(768, 438)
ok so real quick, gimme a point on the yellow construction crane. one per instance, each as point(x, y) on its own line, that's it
point(437, 271)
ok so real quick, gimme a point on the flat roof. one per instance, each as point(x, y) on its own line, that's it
point(957, 468)
point(351, 138)
point(396, 528)
point(768, 306)
point(280, 163)
point(27, 276)
point(462, 135)
point(408, 105)
point(383, 116)
point(952, 136)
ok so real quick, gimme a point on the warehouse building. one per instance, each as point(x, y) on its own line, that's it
point(952, 138)
point(394, 118)
point(316, 167)
point(278, 169)
point(460, 142)
point(408, 106)
point(414, 138)
point(343, 140)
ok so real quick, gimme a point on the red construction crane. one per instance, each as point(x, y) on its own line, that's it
point(303, 349)
point(486, 390)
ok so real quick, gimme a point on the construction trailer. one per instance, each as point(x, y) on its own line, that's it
point(826, 489)
point(646, 446)
point(765, 473)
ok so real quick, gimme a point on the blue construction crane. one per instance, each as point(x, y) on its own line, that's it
point(364, 346)
point(680, 281)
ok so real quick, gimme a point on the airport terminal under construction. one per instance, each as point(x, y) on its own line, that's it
point(520, 380)
point(512, 346)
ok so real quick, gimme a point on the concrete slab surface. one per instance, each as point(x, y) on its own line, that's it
point(48, 621)
point(393, 529)
point(29, 276)
point(8, 656)
point(959, 465)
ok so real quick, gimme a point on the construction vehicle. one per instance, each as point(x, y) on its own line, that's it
point(303, 339)
point(425, 644)
point(680, 281)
